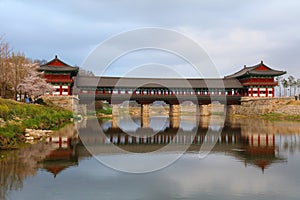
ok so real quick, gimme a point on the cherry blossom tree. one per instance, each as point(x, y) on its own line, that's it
point(33, 85)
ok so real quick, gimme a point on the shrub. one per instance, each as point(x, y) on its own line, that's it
point(40, 101)
point(4, 112)
point(18, 116)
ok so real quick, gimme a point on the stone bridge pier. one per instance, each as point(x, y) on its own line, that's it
point(145, 115)
point(115, 114)
point(174, 115)
point(174, 110)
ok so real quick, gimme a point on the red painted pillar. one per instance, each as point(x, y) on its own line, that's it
point(60, 90)
point(267, 92)
point(69, 90)
point(126, 139)
point(251, 92)
point(272, 92)
point(119, 139)
point(60, 142)
point(69, 142)
point(258, 92)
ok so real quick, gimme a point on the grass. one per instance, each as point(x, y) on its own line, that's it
point(281, 117)
point(107, 111)
point(15, 117)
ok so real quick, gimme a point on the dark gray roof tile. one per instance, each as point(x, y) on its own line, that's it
point(252, 70)
point(156, 82)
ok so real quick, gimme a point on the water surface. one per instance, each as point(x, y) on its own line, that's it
point(251, 159)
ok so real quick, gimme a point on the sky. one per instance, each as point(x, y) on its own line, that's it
point(233, 33)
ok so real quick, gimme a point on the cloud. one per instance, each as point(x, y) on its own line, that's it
point(233, 32)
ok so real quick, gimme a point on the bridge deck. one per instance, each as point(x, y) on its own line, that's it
point(172, 91)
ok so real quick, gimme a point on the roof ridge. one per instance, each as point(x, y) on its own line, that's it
point(56, 58)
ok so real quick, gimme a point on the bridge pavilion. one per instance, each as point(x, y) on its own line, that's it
point(257, 80)
point(60, 75)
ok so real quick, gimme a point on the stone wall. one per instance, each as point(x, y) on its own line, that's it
point(61, 101)
point(260, 106)
point(67, 102)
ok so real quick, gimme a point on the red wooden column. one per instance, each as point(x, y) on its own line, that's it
point(60, 142)
point(60, 90)
point(69, 90)
point(267, 92)
point(251, 92)
point(258, 92)
point(272, 92)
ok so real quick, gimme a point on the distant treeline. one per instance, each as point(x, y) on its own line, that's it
point(289, 86)
point(18, 75)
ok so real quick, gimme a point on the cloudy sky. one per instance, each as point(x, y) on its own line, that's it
point(233, 33)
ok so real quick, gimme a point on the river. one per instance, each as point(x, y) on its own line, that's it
point(168, 159)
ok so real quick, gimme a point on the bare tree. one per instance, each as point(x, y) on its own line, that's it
point(40, 62)
point(83, 72)
point(4, 67)
point(18, 64)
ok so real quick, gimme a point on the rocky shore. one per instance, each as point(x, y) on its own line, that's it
point(32, 135)
point(263, 106)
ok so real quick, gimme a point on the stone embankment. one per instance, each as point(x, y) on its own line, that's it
point(261, 106)
point(68, 103)
point(65, 102)
point(32, 134)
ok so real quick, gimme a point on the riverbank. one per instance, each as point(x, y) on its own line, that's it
point(16, 117)
point(274, 109)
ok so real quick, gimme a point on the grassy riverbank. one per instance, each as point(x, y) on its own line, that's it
point(281, 117)
point(15, 117)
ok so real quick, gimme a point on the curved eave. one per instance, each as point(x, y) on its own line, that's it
point(59, 81)
point(58, 69)
point(156, 82)
point(260, 83)
point(267, 73)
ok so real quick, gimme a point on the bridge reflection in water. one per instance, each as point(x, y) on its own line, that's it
point(259, 149)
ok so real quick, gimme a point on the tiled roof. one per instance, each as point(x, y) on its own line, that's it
point(57, 65)
point(254, 71)
point(85, 81)
point(59, 80)
point(61, 69)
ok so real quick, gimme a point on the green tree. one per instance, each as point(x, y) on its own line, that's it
point(291, 83)
point(278, 79)
point(285, 85)
point(298, 84)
